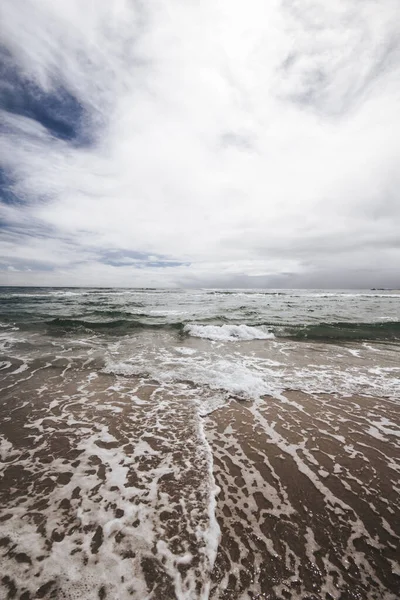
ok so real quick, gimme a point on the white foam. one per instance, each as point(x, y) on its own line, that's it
point(8, 340)
point(369, 347)
point(252, 376)
point(5, 448)
point(208, 404)
point(229, 375)
point(354, 352)
point(65, 293)
point(229, 333)
point(143, 533)
point(384, 426)
point(395, 566)
point(186, 351)
point(212, 534)
point(20, 369)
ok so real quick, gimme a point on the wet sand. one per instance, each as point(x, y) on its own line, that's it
point(309, 502)
point(104, 492)
point(107, 490)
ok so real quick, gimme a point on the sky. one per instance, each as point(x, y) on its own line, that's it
point(200, 143)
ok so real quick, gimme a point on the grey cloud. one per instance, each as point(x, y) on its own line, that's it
point(210, 143)
point(330, 73)
point(237, 140)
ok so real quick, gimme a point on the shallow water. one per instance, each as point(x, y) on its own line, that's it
point(199, 444)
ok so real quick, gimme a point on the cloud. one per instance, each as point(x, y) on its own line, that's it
point(199, 144)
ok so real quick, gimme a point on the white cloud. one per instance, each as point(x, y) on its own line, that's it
point(255, 142)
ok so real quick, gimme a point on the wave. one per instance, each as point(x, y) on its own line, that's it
point(229, 332)
point(322, 332)
point(345, 331)
point(246, 293)
point(117, 314)
point(13, 299)
point(222, 328)
point(121, 326)
point(118, 326)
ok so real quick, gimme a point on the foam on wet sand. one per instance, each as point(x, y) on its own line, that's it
point(117, 487)
point(309, 506)
point(107, 492)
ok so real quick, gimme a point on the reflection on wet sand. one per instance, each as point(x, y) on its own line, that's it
point(309, 502)
point(108, 491)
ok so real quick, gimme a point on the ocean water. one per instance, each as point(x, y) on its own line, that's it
point(199, 444)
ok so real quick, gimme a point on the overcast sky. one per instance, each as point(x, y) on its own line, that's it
point(200, 143)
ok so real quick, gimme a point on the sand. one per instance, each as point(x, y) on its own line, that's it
point(309, 503)
point(117, 488)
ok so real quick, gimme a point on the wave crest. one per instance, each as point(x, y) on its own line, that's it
point(231, 333)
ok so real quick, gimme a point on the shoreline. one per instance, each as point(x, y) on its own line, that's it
point(308, 505)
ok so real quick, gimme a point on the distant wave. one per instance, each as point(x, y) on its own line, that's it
point(245, 293)
point(342, 331)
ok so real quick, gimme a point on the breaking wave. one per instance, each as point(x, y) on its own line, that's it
point(324, 332)
point(227, 333)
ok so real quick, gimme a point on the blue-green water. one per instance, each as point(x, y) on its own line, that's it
point(199, 444)
point(315, 314)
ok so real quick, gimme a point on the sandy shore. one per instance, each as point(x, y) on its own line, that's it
point(309, 502)
point(106, 492)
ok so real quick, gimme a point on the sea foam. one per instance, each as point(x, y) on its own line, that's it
point(229, 333)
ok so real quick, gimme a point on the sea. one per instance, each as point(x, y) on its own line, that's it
point(161, 444)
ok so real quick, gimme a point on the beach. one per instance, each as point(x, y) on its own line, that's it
point(309, 501)
point(215, 460)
